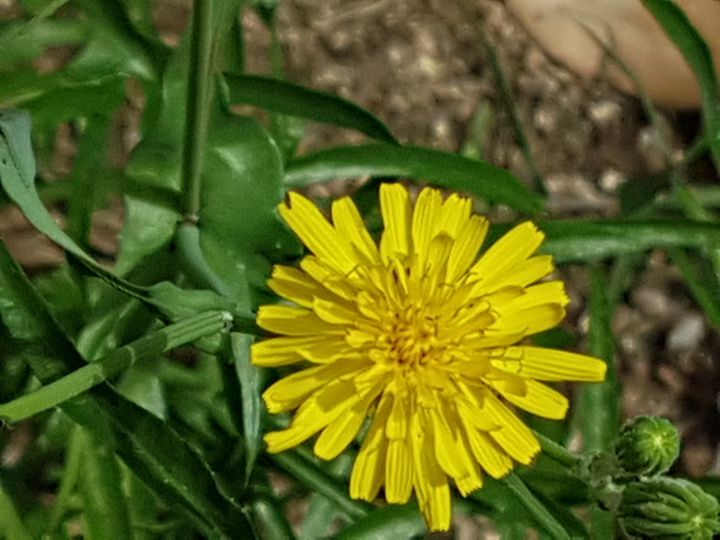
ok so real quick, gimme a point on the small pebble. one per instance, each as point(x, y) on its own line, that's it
point(687, 333)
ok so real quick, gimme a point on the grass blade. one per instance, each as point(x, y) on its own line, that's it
point(699, 57)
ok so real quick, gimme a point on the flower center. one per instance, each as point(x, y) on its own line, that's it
point(412, 338)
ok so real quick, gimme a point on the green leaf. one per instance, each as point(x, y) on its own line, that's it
point(269, 519)
point(104, 506)
point(317, 480)
point(583, 241)
point(294, 100)
point(17, 175)
point(441, 169)
point(150, 222)
point(322, 513)
point(80, 380)
point(11, 525)
point(698, 55)
point(535, 507)
point(701, 280)
point(251, 380)
point(153, 451)
point(390, 522)
point(242, 187)
point(26, 40)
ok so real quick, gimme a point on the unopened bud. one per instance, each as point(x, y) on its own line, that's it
point(664, 507)
point(647, 446)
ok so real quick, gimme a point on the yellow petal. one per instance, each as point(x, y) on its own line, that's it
point(298, 286)
point(350, 225)
point(429, 479)
point(336, 313)
point(528, 321)
point(446, 451)
point(466, 247)
point(282, 351)
point(398, 472)
point(368, 471)
point(317, 234)
point(290, 391)
point(512, 435)
point(488, 454)
point(341, 431)
point(534, 397)
point(395, 208)
point(293, 321)
point(326, 405)
point(528, 272)
point(508, 252)
point(548, 364)
point(397, 423)
point(279, 441)
point(330, 278)
point(455, 212)
point(424, 223)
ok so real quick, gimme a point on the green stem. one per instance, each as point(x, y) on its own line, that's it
point(11, 523)
point(91, 375)
point(536, 508)
point(197, 107)
point(315, 479)
point(556, 451)
point(71, 473)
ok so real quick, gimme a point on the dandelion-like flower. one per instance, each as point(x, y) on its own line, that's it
point(422, 336)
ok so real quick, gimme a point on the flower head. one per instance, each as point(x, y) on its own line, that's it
point(423, 337)
point(668, 508)
point(647, 446)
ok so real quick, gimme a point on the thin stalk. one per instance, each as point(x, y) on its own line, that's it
point(91, 375)
point(71, 473)
point(197, 107)
point(556, 451)
point(535, 507)
point(517, 123)
point(318, 481)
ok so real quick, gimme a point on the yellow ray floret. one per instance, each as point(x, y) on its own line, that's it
point(424, 335)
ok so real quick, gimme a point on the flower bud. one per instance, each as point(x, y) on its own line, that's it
point(647, 446)
point(668, 508)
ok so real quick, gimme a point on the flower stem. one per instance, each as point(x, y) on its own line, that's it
point(197, 107)
point(92, 374)
point(556, 451)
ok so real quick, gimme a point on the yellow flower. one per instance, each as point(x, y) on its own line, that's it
point(423, 337)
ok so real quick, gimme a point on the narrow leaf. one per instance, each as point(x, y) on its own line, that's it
point(699, 57)
point(583, 241)
point(390, 522)
point(104, 506)
point(251, 384)
point(441, 169)
point(535, 507)
point(294, 100)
